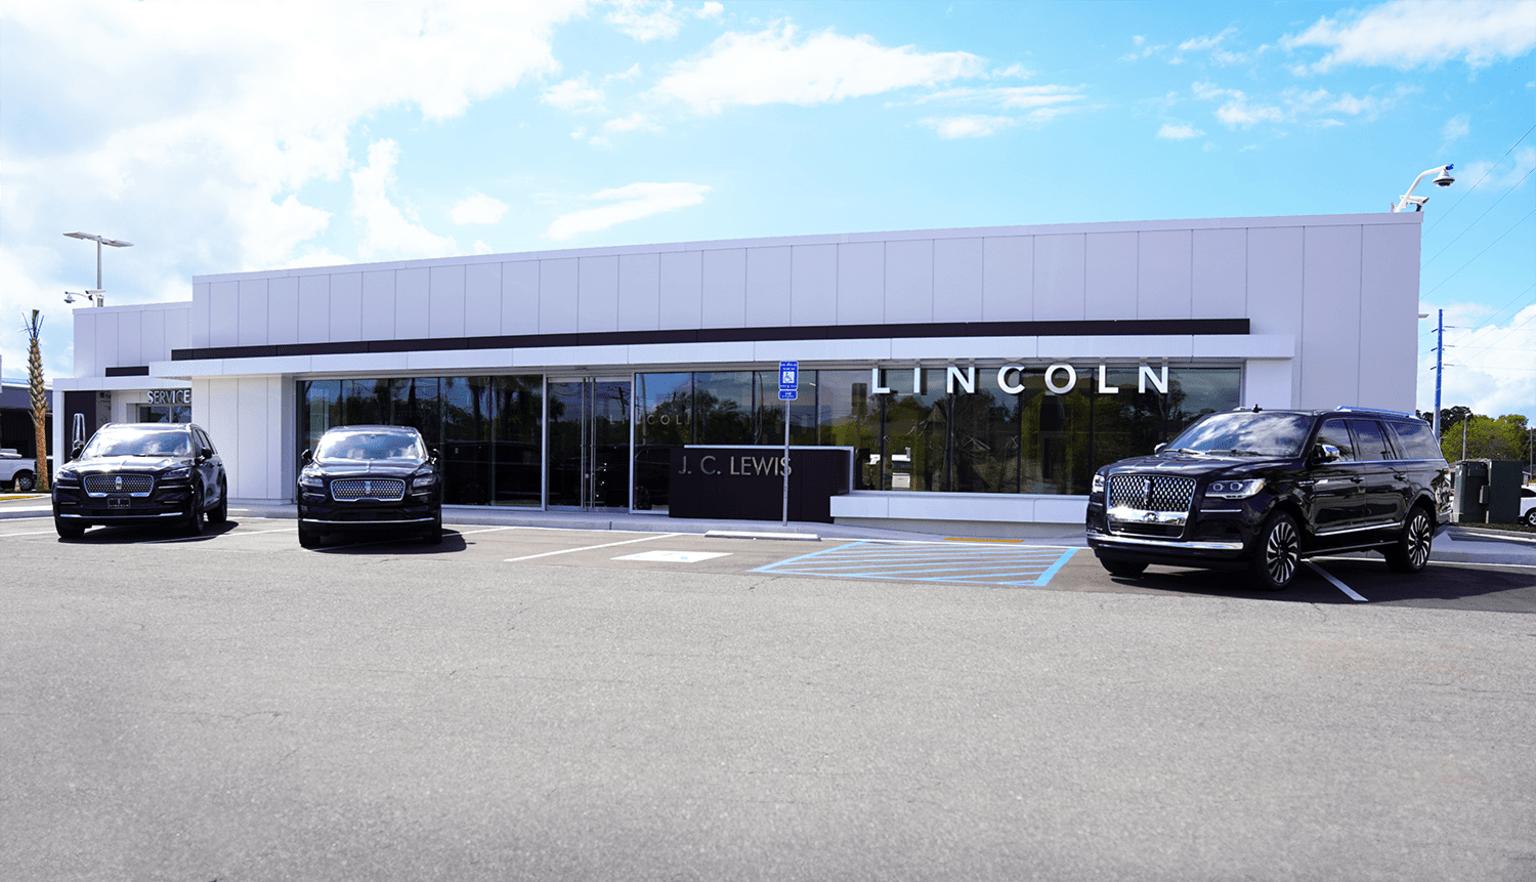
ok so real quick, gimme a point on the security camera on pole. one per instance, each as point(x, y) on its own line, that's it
point(96, 295)
point(1442, 179)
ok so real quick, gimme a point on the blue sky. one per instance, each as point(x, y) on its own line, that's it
point(221, 137)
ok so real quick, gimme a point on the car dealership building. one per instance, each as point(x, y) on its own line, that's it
point(969, 381)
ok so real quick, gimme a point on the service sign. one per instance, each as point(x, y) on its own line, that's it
point(170, 396)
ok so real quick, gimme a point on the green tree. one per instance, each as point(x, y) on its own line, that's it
point(1485, 437)
point(34, 328)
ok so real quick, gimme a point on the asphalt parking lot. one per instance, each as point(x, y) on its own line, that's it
point(575, 704)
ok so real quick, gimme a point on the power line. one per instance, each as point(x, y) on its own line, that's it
point(1447, 212)
point(1480, 253)
point(1479, 217)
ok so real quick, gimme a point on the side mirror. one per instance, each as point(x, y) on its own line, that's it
point(433, 456)
point(74, 452)
point(307, 456)
point(1159, 448)
point(1324, 453)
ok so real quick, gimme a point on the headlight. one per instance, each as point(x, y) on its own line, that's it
point(1235, 489)
point(66, 476)
point(1098, 483)
point(179, 474)
point(311, 481)
point(423, 483)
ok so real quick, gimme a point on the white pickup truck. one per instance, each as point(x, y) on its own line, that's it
point(17, 471)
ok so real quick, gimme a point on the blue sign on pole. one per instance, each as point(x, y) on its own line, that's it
point(789, 380)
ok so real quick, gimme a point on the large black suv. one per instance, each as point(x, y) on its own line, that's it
point(370, 479)
point(141, 473)
point(1262, 489)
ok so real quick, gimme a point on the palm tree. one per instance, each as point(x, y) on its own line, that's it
point(34, 329)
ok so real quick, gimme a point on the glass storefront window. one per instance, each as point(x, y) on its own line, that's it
point(1012, 434)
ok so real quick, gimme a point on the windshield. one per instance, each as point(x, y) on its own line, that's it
point(363, 445)
point(1244, 433)
point(139, 441)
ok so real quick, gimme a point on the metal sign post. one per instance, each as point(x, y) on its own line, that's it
point(789, 382)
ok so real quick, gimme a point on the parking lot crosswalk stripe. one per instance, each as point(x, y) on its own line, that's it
point(590, 547)
point(1016, 566)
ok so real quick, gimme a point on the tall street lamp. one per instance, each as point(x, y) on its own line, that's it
point(97, 295)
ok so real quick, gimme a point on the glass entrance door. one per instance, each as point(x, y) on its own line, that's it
point(588, 458)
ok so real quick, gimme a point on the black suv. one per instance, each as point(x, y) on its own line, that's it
point(367, 479)
point(141, 473)
point(1262, 489)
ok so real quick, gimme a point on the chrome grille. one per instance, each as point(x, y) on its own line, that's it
point(1151, 492)
point(101, 485)
point(382, 489)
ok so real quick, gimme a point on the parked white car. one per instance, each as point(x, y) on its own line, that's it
point(1528, 505)
point(16, 471)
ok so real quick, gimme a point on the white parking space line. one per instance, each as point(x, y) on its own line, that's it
point(674, 556)
point(1336, 583)
point(591, 547)
point(33, 533)
point(490, 530)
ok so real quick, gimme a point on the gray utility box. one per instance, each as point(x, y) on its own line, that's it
point(1488, 491)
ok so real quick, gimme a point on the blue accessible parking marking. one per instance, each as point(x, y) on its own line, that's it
point(1016, 566)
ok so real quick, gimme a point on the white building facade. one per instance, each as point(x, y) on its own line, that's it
point(978, 377)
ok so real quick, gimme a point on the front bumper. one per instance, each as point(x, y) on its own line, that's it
point(167, 502)
point(365, 515)
point(1204, 537)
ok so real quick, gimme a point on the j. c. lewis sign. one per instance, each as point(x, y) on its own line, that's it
point(747, 483)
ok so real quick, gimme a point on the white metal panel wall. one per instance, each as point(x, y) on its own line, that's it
point(682, 289)
point(958, 279)
point(314, 309)
point(413, 302)
point(861, 283)
point(378, 315)
point(252, 314)
point(1059, 281)
point(725, 288)
point(520, 297)
point(1219, 273)
point(282, 310)
point(597, 303)
point(558, 293)
point(813, 285)
point(346, 301)
point(909, 281)
point(1330, 319)
point(482, 299)
point(1008, 279)
point(445, 302)
point(250, 420)
point(1164, 262)
point(224, 314)
point(1389, 306)
point(770, 275)
point(639, 292)
point(1110, 275)
point(1275, 288)
point(130, 337)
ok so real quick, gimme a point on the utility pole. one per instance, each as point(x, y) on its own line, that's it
point(1439, 367)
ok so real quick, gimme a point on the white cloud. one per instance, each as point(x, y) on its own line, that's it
point(1456, 127)
point(1490, 177)
point(198, 146)
point(1180, 132)
point(969, 126)
point(1414, 33)
point(1492, 371)
point(1008, 97)
point(774, 66)
point(1204, 44)
point(1311, 107)
point(633, 202)
point(647, 20)
point(477, 209)
point(576, 94)
point(389, 231)
point(630, 123)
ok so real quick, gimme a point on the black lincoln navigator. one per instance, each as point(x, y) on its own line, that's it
point(1261, 489)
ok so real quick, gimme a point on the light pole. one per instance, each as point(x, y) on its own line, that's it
point(1443, 179)
point(96, 295)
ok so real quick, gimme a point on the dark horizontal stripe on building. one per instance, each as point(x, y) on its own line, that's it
point(1090, 328)
point(132, 371)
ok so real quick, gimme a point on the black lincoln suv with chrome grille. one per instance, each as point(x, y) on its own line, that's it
point(141, 473)
point(368, 479)
point(1260, 490)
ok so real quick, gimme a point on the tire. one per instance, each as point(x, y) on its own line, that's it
point(220, 512)
point(68, 530)
point(434, 533)
point(1125, 569)
point(1277, 554)
point(308, 538)
point(1530, 518)
point(196, 518)
point(1410, 553)
point(23, 482)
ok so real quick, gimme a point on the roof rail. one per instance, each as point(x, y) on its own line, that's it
point(1383, 410)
